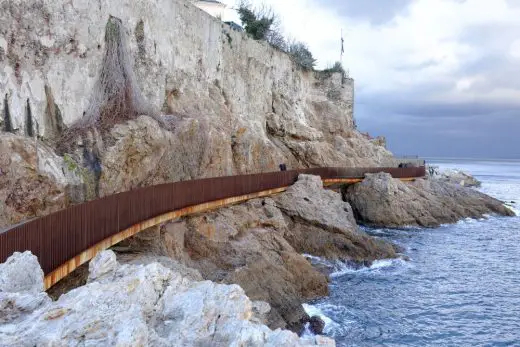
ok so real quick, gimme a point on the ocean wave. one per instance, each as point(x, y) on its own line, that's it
point(330, 325)
point(339, 268)
point(513, 208)
point(342, 268)
point(319, 261)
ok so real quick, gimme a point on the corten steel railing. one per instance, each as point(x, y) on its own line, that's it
point(59, 237)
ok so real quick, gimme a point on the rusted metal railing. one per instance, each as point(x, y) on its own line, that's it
point(59, 237)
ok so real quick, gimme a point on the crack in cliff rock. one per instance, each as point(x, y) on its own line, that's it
point(8, 125)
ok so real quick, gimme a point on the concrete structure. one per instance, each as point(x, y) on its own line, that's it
point(214, 8)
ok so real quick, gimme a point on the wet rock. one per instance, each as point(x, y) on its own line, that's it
point(383, 201)
point(316, 325)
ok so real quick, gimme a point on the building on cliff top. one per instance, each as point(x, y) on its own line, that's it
point(213, 7)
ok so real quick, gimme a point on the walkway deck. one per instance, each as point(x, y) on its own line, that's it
point(66, 239)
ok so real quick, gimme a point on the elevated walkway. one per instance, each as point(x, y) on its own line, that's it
point(66, 239)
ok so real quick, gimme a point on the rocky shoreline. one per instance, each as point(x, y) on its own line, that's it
point(223, 106)
point(132, 305)
point(259, 245)
point(382, 201)
point(251, 251)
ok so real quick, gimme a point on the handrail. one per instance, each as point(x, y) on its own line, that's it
point(64, 240)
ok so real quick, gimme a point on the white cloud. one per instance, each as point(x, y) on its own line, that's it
point(428, 35)
point(514, 49)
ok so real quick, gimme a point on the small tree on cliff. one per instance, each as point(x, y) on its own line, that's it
point(337, 67)
point(261, 24)
point(301, 54)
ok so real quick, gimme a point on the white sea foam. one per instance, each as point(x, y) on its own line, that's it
point(312, 257)
point(467, 221)
point(513, 208)
point(341, 268)
point(319, 261)
point(330, 325)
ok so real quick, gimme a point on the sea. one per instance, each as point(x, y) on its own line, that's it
point(459, 287)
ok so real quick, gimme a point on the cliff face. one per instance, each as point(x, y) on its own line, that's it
point(244, 105)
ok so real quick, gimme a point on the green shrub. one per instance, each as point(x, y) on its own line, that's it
point(257, 23)
point(263, 24)
point(301, 55)
point(337, 67)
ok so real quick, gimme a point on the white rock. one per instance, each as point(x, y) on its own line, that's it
point(104, 263)
point(21, 273)
point(138, 305)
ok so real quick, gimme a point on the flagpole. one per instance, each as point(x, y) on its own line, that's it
point(341, 54)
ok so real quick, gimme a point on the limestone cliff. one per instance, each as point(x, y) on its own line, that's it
point(254, 106)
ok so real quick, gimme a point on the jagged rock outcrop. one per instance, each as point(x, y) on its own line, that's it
point(456, 177)
point(21, 288)
point(257, 107)
point(322, 224)
point(33, 180)
point(258, 245)
point(244, 244)
point(21, 273)
point(381, 200)
point(133, 305)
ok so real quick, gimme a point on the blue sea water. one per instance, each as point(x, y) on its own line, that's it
point(461, 286)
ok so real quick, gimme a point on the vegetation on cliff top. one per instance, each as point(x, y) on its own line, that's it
point(263, 23)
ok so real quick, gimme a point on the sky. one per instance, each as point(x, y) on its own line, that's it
point(438, 78)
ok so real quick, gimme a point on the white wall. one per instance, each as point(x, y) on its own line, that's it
point(214, 9)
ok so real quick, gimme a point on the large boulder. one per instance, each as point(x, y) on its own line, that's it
point(456, 177)
point(316, 325)
point(322, 224)
point(138, 147)
point(21, 273)
point(381, 200)
point(142, 305)
point(21, 287)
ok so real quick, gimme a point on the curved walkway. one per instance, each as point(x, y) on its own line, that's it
point(66, 239)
